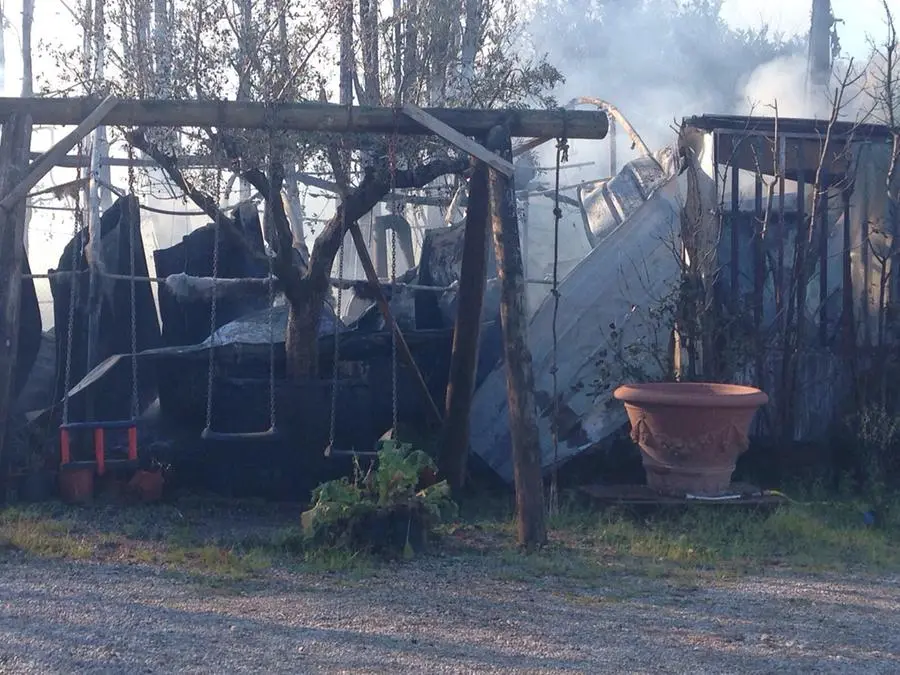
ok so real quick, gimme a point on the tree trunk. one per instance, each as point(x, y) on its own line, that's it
point(346, 53)
point(307, 295)
point(471, 37)
point(27, 74)
point(2, 47)
point(410, 50)
point(27, 82)
point(368, 29)
point(301, 341)
point(526, 448)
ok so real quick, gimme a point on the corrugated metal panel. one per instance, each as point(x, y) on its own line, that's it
point(627, 273)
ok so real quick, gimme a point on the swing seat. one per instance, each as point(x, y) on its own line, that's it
point(330, 451)
point(99, 428)
point(267, 435)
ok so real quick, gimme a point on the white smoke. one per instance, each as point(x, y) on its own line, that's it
point(659, 62)
point(781, 82)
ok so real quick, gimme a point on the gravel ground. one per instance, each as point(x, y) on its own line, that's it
point(439, 615)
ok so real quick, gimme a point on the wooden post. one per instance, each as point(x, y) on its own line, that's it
point(526, 448)
point(14, 148)
point(466, 333)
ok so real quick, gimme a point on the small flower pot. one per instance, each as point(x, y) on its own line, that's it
point(147, 485)
point(690, 433)
point(76, 484)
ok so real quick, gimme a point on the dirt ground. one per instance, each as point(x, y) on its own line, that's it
point(445, 614)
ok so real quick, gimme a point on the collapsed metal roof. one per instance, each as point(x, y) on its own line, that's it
point(788, 126)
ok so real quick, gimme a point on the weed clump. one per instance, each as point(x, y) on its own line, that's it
point(390, 509)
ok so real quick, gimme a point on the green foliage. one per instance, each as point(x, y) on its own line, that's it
point(875, 438)
point(365, 513)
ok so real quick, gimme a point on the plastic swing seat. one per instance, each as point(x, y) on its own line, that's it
point(99, 428)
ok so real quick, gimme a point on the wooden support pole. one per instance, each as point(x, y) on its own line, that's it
point(385, 308)
point(14, 147)
point(312, 117)
point(466, 333)
point(43, 164)
point(526, 447)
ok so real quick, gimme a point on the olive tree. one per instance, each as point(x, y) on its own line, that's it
point(280, 51)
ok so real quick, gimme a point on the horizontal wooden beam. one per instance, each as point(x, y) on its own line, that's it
point(310, 117)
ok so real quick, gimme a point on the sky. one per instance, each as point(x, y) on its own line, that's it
point(861, 18)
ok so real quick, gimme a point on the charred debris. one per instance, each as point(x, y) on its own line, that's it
point(752, 249)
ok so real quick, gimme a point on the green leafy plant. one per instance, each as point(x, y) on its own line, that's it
point(386, 509)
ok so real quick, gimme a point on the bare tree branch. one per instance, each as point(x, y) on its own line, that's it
point(360, 200)
point(205, 202)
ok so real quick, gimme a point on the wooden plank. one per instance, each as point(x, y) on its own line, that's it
point(48, 160)
point(14, 147)
point(466, 333)
point(464, 143)
point(311, 117)
point(526, 448)
point(385, 308)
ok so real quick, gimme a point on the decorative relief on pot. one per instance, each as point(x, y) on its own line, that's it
point(728, 441)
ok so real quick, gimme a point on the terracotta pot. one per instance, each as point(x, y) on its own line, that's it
point(690, 433)
point(76, 485)
point(147, 485)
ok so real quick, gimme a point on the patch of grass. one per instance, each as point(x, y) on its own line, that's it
point(217, 561)
point(22, 531)
point(822, 536)
point(213, 544)
point(157, 535)
point(681, 546)
point(613, 551)
point(352, 564)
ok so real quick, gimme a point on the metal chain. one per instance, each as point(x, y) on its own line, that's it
point(562, 155)
point(337, 344)
point(270, 254)
point(134, 213)
point(394, 397)
point(392, 167)
point(212, 308)
point(74, 280)
point(271, 339)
